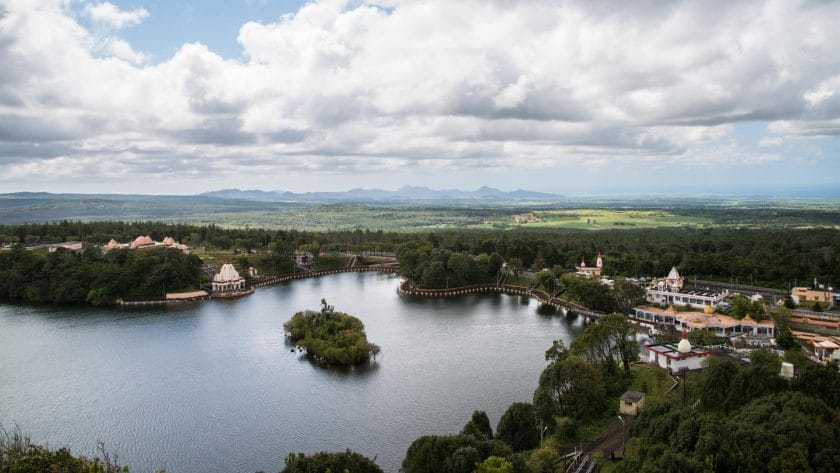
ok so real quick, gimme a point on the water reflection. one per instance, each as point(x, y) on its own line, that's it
point(217, 387)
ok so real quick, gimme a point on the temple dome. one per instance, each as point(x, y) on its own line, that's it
point(142, 241)
point(684, 346)
point(708, 309)
point(169, 241)
point(674, 274)
point(227, 274)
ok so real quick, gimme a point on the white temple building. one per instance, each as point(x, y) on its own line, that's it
point(669, 291)
point(590, 271)
point(678, 357)
point(227, 280)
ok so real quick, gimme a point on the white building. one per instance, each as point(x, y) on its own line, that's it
point(228, 280)
point(590, 271)
point(669, 291)
point(676, 357)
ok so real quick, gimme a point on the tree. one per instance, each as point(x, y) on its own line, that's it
point(817, 307)
point(569, 387)
point(518, 427)
point(462, 460)
point(558, 351)
point(323, 461)
point(628, 295)
point(479, 426)
point(546, 279)
point(434, 276)
point(428, 454)
point(821, 382)
point(716, 384)
point(495, 465)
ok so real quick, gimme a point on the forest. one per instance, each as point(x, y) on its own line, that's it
point(89, 276)
point(771, 258)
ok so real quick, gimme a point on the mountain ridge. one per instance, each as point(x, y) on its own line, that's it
point(403, 194)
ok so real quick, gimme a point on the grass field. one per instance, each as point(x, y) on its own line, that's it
point(591, 214)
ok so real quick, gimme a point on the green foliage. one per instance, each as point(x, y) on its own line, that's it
point(324, 461)
point(65, 277)
point(821, 382)
point(608, 342)
point(479, 426)
point(705, 338)
point(716, 385)
point(333, 336)
point(569, 387)
point(429, 454)
point(495, 465)
point(558, 351)
point(742, 307)
point(748, 419)
point(19, 455)
point(517, 427)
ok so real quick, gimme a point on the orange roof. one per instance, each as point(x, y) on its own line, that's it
point(702, 319)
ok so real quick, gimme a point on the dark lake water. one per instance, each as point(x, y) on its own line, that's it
point(214, 387)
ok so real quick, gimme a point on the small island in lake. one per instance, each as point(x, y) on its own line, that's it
point(330, 336)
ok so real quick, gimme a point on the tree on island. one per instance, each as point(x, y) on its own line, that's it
point(332, 336)
point(338, 462)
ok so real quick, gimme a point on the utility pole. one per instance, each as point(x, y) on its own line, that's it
point(623, 429)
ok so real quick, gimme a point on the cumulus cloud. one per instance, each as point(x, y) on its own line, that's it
point(106, 13)
point(339, 86)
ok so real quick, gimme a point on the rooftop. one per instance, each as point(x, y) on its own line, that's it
point(633, 396)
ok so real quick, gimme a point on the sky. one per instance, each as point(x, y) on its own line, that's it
point(571, 97)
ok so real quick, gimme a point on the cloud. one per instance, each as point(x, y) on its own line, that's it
point(108, 14)
point(339, 86)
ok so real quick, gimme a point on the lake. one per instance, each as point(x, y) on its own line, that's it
point(216, 386)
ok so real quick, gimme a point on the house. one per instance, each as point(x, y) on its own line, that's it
point(800, 294)
point(670, 291)
point(590, 271)
point(303, 259)
point(676, 357)
point(631, 402)
point(227, 280)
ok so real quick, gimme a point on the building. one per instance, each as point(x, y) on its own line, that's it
point(68, 245)
point(806, 294)
point(722, 325)
point(144, 242)
point(631, 402)
point(670, 291)
point(303, 259)
point(676, 357)
point(590, 271)
point(227, 280)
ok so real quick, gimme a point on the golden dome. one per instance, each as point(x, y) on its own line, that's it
point(708, 309)
point(671, 310)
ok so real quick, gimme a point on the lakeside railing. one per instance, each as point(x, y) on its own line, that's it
point(542, 296)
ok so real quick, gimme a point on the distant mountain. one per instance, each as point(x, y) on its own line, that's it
point(404, 194)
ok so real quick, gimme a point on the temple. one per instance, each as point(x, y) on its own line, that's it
point(721, 325)
point(590, 271)
point(669, 291)
point(677, 357)
point(144, 242)
point(227, 280)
